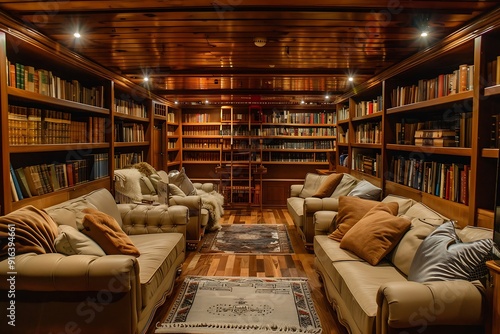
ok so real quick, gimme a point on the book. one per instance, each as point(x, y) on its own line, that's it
point(34, 180)
point(17, 188)
point(435, 133)
point(13, 189)
point(23, 183)
point(54, 180)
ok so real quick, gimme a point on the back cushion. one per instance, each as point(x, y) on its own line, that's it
point(403, 202)
point(311, 184)
point(347, 183)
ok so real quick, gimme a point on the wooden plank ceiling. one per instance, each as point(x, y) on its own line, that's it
point(204, 49)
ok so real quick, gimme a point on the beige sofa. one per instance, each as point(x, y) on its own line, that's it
point(57, 293)
point(302, 205)
point(380, 298)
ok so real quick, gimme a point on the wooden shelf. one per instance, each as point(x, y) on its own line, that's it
point(457, 151)
point(429, 105)
point(369, 117)
point(492, 90)
point(490, 153)
point(118, 115)
point(131, 144)
point(56, 147)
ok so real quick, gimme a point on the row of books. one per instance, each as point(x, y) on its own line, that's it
point(30, 126)
point(200, 118)
point(129, 107)
point(44, 82)
point(457, 130)
point(160, 109)
point(367, 164)
point(123, 160)
point(41, 179)
point(200, 156)
point(129, 132)
point(343, 135)
point(200, 143)
point(287, 117)
point(368, 133)
point(343, 113)
point(205, 130)
point(461, 80)
point(364, 108)
point(344, 159)
point(296, 131)
point(226, 116)
point(299, 145)
point(446, 180)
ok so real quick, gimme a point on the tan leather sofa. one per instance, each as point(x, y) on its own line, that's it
point(302, 206)
point(379, 299)
point(57, 293)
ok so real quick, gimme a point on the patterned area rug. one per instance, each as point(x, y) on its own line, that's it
point(242, 305)
point(248, 239)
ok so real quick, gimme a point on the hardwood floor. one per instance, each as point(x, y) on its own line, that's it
point(299, 264)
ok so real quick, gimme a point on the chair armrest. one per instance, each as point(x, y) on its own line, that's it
point(58, 272)
point(313, 204)
point(295, 189)
point(419, 305)
point(143, 219)
point(191, 202)
point(206, 187)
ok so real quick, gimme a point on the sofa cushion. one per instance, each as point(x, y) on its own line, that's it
point(147, 187)
point(328, 185)
point(351, 210)
point(33, 229)
point(473, 233)
point(106, 232)
point(70, 241)
point(423, 212)
point(159, 252)
point(312, 183)
point(360, 294)
point(180, 179)
point(366, 190)
point(70, 213)
point(443, 256)
point(347, 183)
point(174, 190)
point(104, 202)
point(402, 255)
point(127, 182)
point(376, 234)
point(404, 203)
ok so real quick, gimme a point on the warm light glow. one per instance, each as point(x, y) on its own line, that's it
point(176, 102)
point(146, 79)
point(206, 102)
point(77, 34)
point(302, 102)
point(424, 34)
point(327, 97)
point(351, 79)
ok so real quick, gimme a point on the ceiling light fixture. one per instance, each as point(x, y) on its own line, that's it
point(424, 34)
point(77, 34)
point(351, 79)
point(260, 41)
point(146, 79)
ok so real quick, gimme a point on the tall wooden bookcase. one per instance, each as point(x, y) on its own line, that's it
point(415, 95)
point(69, 122)
point(301, 137)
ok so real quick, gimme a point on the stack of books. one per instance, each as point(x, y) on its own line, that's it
point(436, 137)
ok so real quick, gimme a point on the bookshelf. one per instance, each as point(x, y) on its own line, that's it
point(439, 141)
point(63, 121)
point(174, 139)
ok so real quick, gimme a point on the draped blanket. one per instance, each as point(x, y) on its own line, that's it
point(30, 229)
point(127, 182)
point(213, 202)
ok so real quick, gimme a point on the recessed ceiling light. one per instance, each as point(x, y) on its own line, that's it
point(424, 34)
point(351, 79)
point(77, 34)
point(146, 79)
point(327, 96)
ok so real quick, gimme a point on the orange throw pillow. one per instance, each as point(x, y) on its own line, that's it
point(351, 210)
point(105, 231)
point(328, 186)
point(376, 234)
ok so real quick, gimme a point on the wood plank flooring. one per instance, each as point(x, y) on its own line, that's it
point(299, 264)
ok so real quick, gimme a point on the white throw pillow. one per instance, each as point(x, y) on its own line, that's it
point(366, 190)
point(70, 241)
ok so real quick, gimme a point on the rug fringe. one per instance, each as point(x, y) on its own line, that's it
point(217, 328)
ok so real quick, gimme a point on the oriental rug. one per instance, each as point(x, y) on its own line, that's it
point(242, 305)
point(248, 239)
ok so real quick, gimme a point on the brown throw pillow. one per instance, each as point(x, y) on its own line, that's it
point(351, 210)
point(377, 233)
point(328, 185)
point(105, 231)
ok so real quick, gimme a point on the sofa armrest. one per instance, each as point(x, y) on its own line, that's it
point(420, 305)
point(295, 190)
point(58, 272)
point(313, 204)
point(324, 222)
point(143, 219)
point(191, 202)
